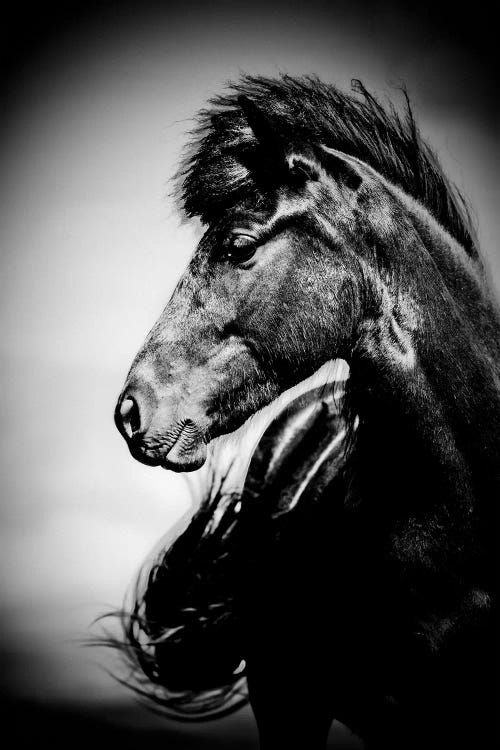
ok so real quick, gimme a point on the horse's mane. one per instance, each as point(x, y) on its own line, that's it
point(181, 632)
point(306, 110)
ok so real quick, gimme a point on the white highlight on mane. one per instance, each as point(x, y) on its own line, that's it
point(232, 453)
point(313, 471)
point(293, 425)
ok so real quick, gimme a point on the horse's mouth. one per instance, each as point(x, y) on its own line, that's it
point(182, 448)
point(188, 451)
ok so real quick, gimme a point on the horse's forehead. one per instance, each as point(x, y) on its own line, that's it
point(256, 204)
point(252, 209)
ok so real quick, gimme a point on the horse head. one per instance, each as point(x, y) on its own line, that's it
point(273, 291)
point(314, 255)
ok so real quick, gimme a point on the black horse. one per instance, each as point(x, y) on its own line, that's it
point(355, 576)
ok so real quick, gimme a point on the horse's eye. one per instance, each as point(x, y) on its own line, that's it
point(240, 248)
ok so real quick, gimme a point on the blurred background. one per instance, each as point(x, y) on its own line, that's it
point(97, 101)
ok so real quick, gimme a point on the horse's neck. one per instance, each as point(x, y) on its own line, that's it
point(425, 379)
point(408, 448)
point(453, 283)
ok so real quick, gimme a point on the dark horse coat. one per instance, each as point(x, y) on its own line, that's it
point(355, 577)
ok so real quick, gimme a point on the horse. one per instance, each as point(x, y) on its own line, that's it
point(354, 577)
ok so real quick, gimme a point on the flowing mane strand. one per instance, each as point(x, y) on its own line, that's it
point(305, 110)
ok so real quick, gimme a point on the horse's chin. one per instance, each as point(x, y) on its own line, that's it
point(180, 459)
point(188, 451)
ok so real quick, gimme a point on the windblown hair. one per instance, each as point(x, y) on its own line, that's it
point(304, 110)
point(182, 636)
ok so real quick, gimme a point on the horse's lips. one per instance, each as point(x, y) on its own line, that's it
point(188, 451)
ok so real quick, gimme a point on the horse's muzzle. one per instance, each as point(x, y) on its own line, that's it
point(180, 447)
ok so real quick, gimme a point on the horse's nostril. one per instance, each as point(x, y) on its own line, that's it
point(130, 416)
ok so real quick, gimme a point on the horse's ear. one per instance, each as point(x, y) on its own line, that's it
point(273, 146)
point(277, 155)
point(340, 167)
point(312, 162)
